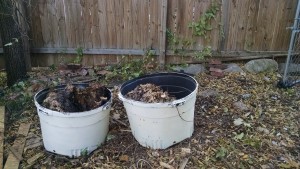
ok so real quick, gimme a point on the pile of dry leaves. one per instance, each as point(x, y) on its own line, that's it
point(150, 93)
point(76, 99)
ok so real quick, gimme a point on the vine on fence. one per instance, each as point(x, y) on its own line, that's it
point(200, 28)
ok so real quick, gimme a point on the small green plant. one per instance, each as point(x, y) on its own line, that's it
point(52, 67)
point(128, 69)
point(178, 45)
point(221, 152)
point(203, 25)
point(206, 51)
point(84, 152)
point(79, 52)
point(199, 28)
point(173, 41)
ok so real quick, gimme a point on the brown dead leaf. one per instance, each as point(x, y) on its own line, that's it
point(124, 158)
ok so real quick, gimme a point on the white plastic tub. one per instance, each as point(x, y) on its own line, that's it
point(161, 125)
point(72, 134)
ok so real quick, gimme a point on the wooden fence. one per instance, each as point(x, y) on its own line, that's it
point(130, 27)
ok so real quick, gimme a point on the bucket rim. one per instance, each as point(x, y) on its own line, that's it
point(158, 105)
point(49, 112)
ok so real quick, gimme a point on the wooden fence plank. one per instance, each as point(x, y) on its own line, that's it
point(87, 22)
point(265, 25)
point(12, 161)
point(215, 34)
point(95, 32)
point(102, 11)
point(136, 24)
point(119, 12)
point(200, 9)
point(162, 32)
point(154, 14)
point(127, 36)
point(61, 16)
point(237, 22)
point(251, 27)
point(111, 24)
point(281, 35)
point(91, 51)
point(144, 24)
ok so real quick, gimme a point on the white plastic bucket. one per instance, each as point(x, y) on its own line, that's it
point(72, 133)
point(161, 125)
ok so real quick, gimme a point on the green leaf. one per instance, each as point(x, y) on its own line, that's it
point(221, 152)
point(239, 136)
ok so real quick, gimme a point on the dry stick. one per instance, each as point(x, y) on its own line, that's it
point(137, 164)
point(119, 121)
point(183, 163)
point(13, 161)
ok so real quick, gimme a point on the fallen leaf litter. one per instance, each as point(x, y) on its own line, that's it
point(76, 99)
point(150, 93)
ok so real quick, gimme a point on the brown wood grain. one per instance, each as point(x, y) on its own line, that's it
point(249, 25)
point(111, 24)
point(265, 25)
point(12, 161)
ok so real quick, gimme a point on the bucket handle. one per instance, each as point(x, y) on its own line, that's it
point(178, 103)
point(106, 105)
point(45, 113)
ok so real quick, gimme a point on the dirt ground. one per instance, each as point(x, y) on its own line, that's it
point(241, 121)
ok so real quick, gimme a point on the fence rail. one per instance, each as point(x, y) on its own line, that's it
point(134, 26)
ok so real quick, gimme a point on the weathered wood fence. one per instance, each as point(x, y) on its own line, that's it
point(130, 27)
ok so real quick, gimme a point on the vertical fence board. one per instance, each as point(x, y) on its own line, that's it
point(119, 11)
point(162, 32)
point(60, 13)
point(144, 13)
point(87, 22)
point(238, 13)
point(136, 24)
point(281, 35)
point(154, 13)
point(95, 31)
point(251, 27)
point(215, 33)
point(127, 36)
point(200, 9)
point(103, 31)
point(265, 25)
point(111, 24)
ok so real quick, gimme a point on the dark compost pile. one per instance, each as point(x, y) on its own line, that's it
point(150, 93)
point(77, 99)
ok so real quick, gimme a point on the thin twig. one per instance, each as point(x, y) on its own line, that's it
point(137, 164)
point(119, 121)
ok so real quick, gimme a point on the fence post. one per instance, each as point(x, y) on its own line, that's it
point(162, 32)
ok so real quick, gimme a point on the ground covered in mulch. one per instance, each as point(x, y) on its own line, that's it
point(241, 121)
